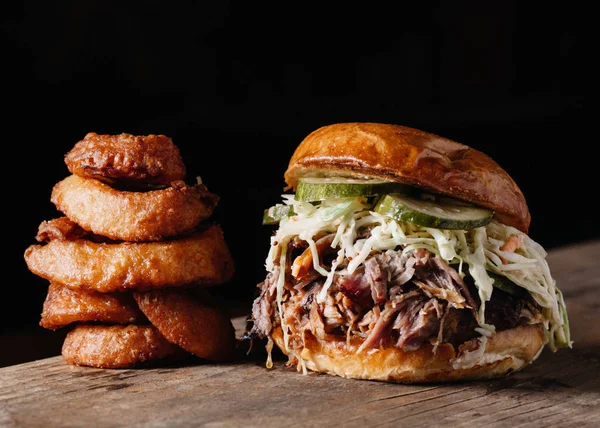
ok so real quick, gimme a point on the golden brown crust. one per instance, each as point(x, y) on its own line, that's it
point(412, 156)
point(133, 216)
point(186, 321)
point(60, 228)
point(115, 346)
point(152, 159)
point(505, 352)
point(64, 306)
point(202, 258)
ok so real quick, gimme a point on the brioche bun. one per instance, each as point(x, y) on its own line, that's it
point(403, 154)
point(505, 352)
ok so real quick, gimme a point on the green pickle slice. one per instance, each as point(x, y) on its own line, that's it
point(503, 283)
point(445, 214)
point(276, 213)
point(311, 189)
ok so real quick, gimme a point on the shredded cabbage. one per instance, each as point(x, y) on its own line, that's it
point(480, 249)
point(280, 285)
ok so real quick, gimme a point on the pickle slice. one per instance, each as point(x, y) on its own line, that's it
point(503, 283)
point(500, 282)
point(429, 213)
point(320, 188)
point(276, 213)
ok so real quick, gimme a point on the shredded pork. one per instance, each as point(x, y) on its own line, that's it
point(395, 298)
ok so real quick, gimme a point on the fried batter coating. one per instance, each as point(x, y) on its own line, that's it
point(151, 159)
point(202, 258)
point(64, 228)
point(133, 216)
point(115, 346)
point(59, 228)
point(184, 320)
point(64, 306)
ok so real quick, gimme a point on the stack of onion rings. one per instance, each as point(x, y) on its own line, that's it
point(131, 258)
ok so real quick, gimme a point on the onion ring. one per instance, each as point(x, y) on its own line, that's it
point(116, 346)
point(59, 228)
point(65, 228)
point(130, 215)
point(202, 258)
point(150, 159)
point(64, 306)
point(189, 323)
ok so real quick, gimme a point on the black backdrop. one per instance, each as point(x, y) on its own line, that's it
point(237, 85)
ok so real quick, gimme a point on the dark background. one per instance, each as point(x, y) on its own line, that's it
point(237, 85)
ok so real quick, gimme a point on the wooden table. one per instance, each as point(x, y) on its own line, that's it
point(559, 389)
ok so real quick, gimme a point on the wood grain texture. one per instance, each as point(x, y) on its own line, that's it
point(559, 389)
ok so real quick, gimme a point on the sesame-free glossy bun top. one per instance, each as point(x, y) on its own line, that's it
point(411, 156)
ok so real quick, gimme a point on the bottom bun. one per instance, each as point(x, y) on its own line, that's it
point(482, 358)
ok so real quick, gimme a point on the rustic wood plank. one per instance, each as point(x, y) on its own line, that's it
point(559, 389)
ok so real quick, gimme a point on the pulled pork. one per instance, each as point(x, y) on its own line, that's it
point(393, 299)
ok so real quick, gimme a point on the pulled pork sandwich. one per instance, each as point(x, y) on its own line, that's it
point(403, 256)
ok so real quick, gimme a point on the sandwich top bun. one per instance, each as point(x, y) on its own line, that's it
point(403, 154)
